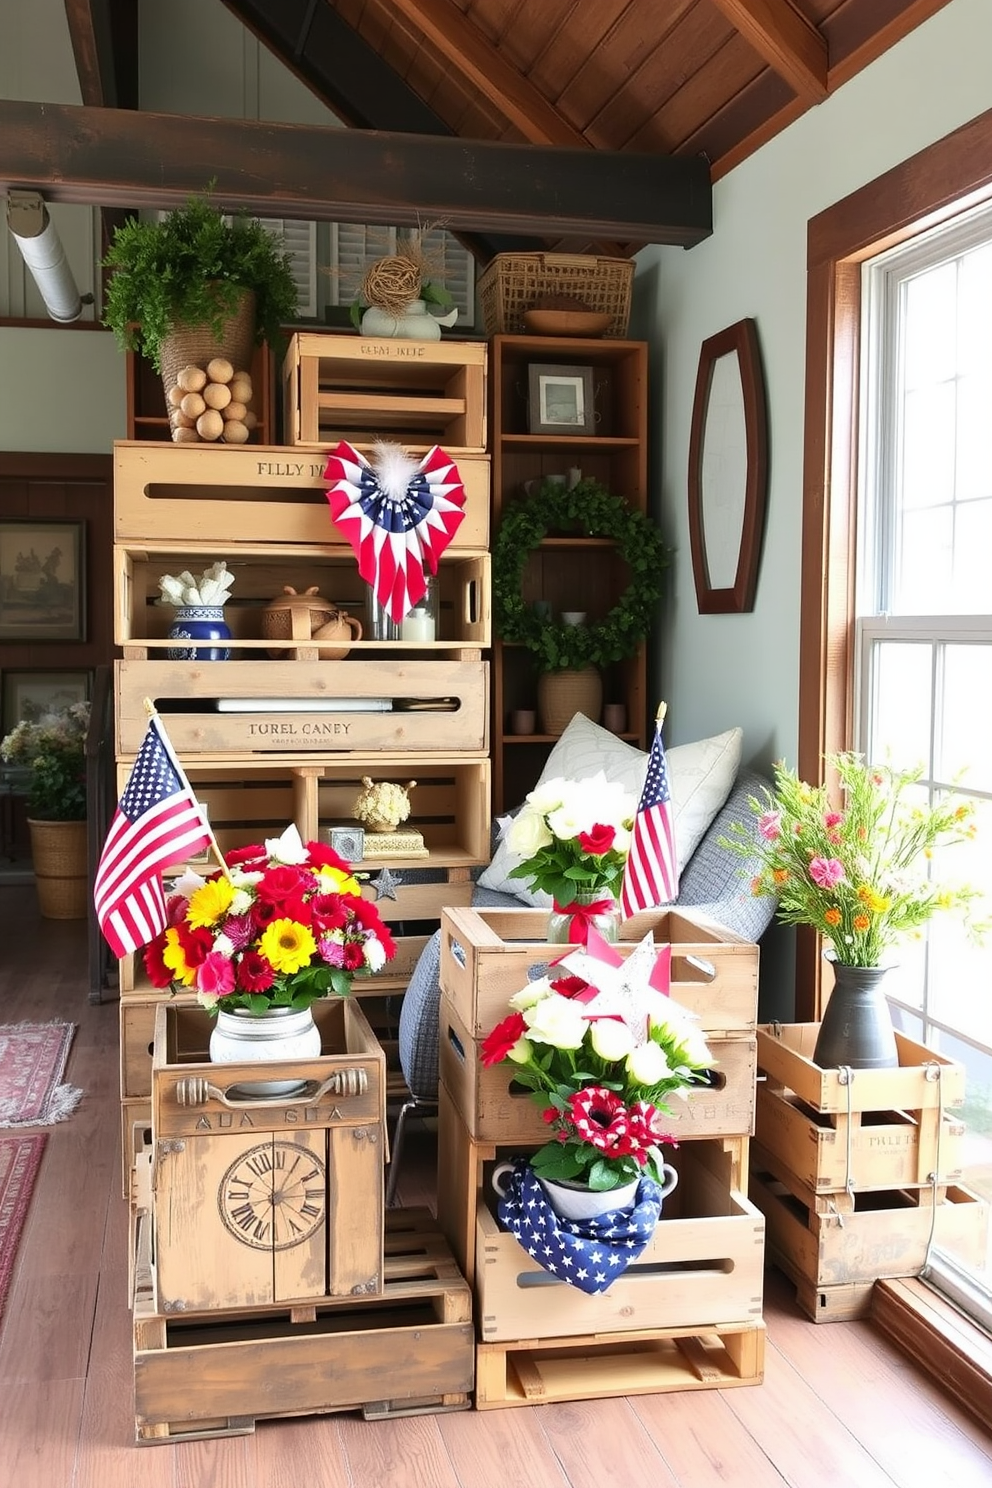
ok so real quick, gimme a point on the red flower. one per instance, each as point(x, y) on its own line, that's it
point(330, 912)
point(570, 986)
point(497, 1044)
point(247, 857)
point(322, 856)
point(354, 956)
point(597, 841)
point(254, 973)
point(196, 944)
point(283, 885)
point(158, 972)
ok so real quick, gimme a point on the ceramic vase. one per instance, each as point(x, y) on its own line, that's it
point(414, 322)
point(199, 623)
point(240, 1037)
point(856, 1030)
point(576, 1201)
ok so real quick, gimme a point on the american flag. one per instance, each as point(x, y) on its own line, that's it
point(651, 874)
point(158, 821)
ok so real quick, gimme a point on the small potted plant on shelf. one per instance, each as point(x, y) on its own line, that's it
point(569, 657)
point(52, 750)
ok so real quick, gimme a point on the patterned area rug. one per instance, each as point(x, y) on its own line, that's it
point(32, 1061)
point(20, 1159)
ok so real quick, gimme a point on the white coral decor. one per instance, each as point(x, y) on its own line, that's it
point(211, 588)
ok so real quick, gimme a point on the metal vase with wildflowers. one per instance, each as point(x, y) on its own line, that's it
point(858, 870)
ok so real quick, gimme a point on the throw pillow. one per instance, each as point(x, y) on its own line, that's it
point(700, 777)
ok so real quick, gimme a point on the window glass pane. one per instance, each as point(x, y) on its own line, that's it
point(965, 741)
point(975, 310)
point(972, 590)
point(901, 713)
point(925, 574)
point(928, 443)
point(931, 326)
point(974, 436)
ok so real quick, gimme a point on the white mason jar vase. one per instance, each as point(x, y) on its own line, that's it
point(240, 1037)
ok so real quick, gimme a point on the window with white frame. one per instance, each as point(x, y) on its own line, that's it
point(924, 596)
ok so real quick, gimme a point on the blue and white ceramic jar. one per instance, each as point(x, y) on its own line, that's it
point(199, 623)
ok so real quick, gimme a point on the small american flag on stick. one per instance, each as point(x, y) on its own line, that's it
point(158, 821)
point(651, 874)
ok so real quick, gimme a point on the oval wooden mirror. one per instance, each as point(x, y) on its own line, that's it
point(728, 470)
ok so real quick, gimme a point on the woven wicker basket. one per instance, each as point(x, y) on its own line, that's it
point(58, 856)
point(515, 282)
point(195, 346)
point(560, 695)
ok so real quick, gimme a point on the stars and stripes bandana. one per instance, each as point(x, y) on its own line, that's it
point(587, 1253)
point(398, 516)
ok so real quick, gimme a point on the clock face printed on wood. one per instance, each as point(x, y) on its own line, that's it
point(274, 1196)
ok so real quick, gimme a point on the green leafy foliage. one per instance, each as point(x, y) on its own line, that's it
point(190, 269)
point(588, 508)
point(53, 748)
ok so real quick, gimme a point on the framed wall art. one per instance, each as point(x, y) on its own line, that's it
point(728, 471)
point(31, 695)
point(42, 581)
point(560, 400)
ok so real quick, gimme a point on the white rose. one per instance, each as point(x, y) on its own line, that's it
point(546, 796)
point(566, 822)
point(610, 1038)
point(684, 1026)
point(532, 993)
point(528, 833)
point(647, 1065)
point(375, 954)
point(556, 1020)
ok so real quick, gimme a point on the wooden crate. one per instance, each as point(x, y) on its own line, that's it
point(360, 387)
point(540, 1371)
point(495, 1109)
point(488, 954)
point(465, 1167)
point(266, 1201)
point(408, 1352)
point(873, 1235)
point(261, 573)
point(433, 706)
point(833, 1151)
point(226, 495)
point(922, 1081)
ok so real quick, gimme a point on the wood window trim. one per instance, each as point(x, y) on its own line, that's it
point(942, 1341)
point(947, 178)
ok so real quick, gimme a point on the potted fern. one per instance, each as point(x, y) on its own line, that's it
point(195, 286)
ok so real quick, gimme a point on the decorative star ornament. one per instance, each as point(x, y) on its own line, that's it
point(398, 514)
point(386, 884)
point(631, 989)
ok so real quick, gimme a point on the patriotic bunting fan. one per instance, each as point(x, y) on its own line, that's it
point(398, 514)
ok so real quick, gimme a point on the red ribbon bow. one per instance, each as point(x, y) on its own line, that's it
point(581, 918)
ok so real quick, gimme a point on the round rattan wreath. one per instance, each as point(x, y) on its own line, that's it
point(588, 508)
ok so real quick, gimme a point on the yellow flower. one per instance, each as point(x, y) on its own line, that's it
point(175, 960)
point(780, 875)
point(873, 900)
point(210, 903)
point(287, 946)
point(832, 917)
point(862, 922)
point(338, 882)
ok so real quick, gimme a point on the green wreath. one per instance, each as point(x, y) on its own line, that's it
point(588, 508)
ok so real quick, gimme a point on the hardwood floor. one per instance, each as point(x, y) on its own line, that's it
point(838, 1405)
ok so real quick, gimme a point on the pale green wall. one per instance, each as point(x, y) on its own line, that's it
point(719, 670)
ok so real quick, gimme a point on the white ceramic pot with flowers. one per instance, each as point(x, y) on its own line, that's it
point(858, 869)
point(572, 837)
point(281, 927)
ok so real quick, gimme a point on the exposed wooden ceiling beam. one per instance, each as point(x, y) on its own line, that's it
point(107, 157)
point(787, 40)
point(104, 38)
point(485, 68)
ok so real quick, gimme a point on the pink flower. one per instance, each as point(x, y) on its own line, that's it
point(832, 821)
point(827, 873)
point(215, 975)
point(770, 825)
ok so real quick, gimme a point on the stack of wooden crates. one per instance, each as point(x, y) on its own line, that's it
point(858, 1171)
point(688, 1314)
point(279, 734)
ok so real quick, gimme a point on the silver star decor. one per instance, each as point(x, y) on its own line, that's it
point(386, 884)
point(623, 987)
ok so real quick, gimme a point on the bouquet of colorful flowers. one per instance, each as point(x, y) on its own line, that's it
point(281, 926)
point(602, 1049)
point(859, 872)
point(53, 747)
point(573, 836)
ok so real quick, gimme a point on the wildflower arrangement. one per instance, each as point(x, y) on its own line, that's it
point(281, 927)
point(602, 1057)
point(211, 588)
point(53, 748)
point(573, 837)
point(858, 871)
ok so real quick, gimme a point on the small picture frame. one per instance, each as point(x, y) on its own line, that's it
point(560, 400)
point(30, 695)
point(42, 581)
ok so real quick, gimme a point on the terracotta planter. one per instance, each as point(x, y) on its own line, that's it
point(58, 853)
